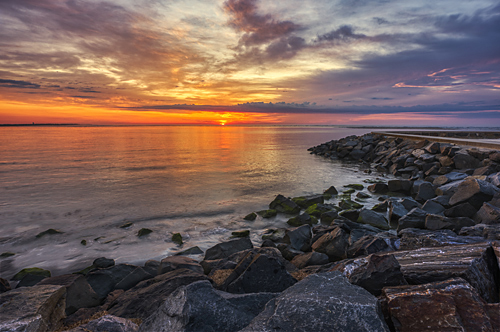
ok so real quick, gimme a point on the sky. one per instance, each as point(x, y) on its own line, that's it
point(326, 62)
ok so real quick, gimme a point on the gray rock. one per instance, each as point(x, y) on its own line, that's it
point(226, 249)
point(4, 285)
point(413, 219)
point(463, 160)
point(134, 277)
point(494, 179)
point(332, 191)
point(434, 222)
point(368, 244)
point(151, 267)
point(488, 214)
point(104, 281)
point(474, 191)
point(410, 203)
point(396, 210)
point(373, 218)
point(179, 262)
point(321, 302)
point(37, 308)
point(373, 272)
point(433, 147)
point(448, 189)
point(299, 238)
point(399, 185)
point(426, 191)
point(79, 294)
point(334, 244)
point(29, 280)
point(378, 188)
point(412, 238)
point(107, 323)
point(198, 307)
point(310, 258)
point(257, 273)
point(432, 207)
point(489, 232)
point(190, 251)
point(328, 217)
point(303, 219)
point(143, 299)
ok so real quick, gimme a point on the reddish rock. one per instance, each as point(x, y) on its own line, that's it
point(451, 305)
point(474, 191)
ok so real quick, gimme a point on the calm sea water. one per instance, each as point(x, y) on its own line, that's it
point(199, 181)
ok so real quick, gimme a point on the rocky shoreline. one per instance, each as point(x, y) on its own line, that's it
point(426, 258)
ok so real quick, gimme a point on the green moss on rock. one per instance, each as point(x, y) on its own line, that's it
point(143, 232)
point(31, 270)
point(177, 238)
point(86, 270)
point(267, 213)
point(6, 254)
point(347, 204)
point(83, 242)
point(355, 186)
point(243, 233)
point(349, 191)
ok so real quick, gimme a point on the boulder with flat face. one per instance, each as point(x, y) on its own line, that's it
point(451, 305)
point(334, 244)
point(475, 192)
point(321, 302)
point(373, 218)
point(413, 219)
point(226, 249)
point(436, 222)
point(284, 205)
point(488, 214)
point(37, 308)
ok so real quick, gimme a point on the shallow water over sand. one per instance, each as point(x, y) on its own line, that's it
point(199, 181)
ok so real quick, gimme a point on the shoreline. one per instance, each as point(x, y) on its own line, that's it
point(442, 195)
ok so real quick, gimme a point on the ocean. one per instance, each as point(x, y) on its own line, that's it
point(199, 181)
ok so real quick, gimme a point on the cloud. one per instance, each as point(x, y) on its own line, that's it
point(18, 84)
point(344, 33)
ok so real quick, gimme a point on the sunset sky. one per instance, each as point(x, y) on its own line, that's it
point(357, 62)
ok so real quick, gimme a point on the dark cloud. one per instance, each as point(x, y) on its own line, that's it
point(18, 84)
point(344, 33)
point(378, 98)
point(83, 97)
point(258, 29)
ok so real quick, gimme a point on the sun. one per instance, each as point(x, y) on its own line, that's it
point(222, 122)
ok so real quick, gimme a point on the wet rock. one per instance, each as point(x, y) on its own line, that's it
point(243, 233)
point(299, 238)
point(251, 216)
point(36, 271)
point(310, 258)
point(426, 191)
point(396, 210)
point(362, 195)
point(306, 201)
point(434, 222)
point(107, 323)
point(49, 231)
point(37, 308)
point(275, 235)
point(373, 272)
point(29, 280)
point(461, 210)
point(488, 214)
point(474, 191)
point(451, 305)
point(179, 262)
point(144, 232)
point(378, 188)
point(199, 307)
point(352, 215)
point(103, 262)
point(399, 185)
point(257, 272)
point(226, 249)
point(413, 219)
point(317, 210)
point(381, 207)
point(331, 191)
point(177, 238)
point(288, 252)
point(151, 266)
point(104, 281)
point(79, 294)
point(284, 205)
point(348, 204)
point(334, 244)
point(373, 218)
point(303, 219)
point(476, 263)
point(143, 299)
point(267, 213)
point(321, 302)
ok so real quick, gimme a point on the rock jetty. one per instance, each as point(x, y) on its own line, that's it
point(425, 258)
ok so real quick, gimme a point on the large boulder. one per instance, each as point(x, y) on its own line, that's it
point(321, 302)
point(171, 263)
point(373, 272)
point(144, 298)
point(256, 273)
point(226, 249)
point(199, 307)
point(413, 238)
point(284, 205)
point(373, 218)
point(461, 210)
point(299, 238)
point(433, 207)
point(107, 323)
point(451, 305)
point(368, 244)
point(463, 160)
point(306, 201)
point(448, 189)
point(79, 294)
point(474, 191)
point(303, 219)
point(37, 308)
point(310, 258)
point(435, 222)
point(397, 210)
point(477, 263)
point(104, 281)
